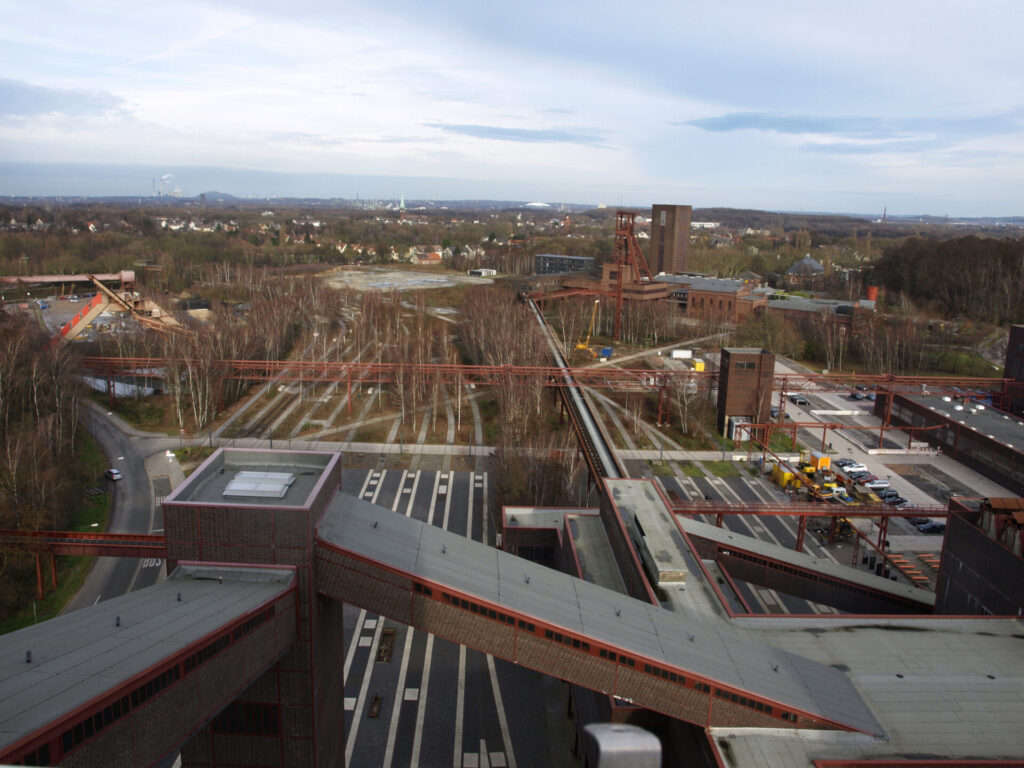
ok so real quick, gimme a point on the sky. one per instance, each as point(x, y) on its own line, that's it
point(906, 105)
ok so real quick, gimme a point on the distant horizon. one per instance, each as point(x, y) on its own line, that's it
point(94, 180)
point(800, 106)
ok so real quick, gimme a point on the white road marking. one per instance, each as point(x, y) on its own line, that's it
point(97, 599)
point(352, 646)
point(421, 709)
point(498, 760)
point(365, 641)
point(411, 694)
point(350, 703)
point(398, 496)
point(350, 741)
point(376, 491)
point(460, 703)
point(370, 624)
point(389, 751)
point(469, 760)
point(502, 721)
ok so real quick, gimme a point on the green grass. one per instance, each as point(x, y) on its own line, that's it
point(146, 413)
point(90, 461)
point(721, 468)
point(690, 469)
point(660, 468)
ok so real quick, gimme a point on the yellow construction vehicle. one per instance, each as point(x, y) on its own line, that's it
point(584, 346)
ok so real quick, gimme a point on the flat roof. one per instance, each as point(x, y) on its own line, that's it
point(995, 424)
point(944, 688)
point(563, 256)
point(823, 565)
point(83, 655)
point(223, 478)
point(638, 501)
point(707, 649)
point(594, 551)
point(540, 517)
point(701, 283)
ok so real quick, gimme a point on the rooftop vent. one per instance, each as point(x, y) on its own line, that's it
point(264, 485)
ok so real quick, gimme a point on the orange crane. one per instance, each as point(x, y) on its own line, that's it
point(585, 345)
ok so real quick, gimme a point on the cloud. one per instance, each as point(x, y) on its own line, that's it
point(853, 135)
point(860, 126)
point(526, 135)
point(20, 98)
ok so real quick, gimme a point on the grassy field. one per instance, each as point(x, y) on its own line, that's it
point(721, 468)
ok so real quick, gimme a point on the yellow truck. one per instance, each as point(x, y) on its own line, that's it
point(866, 495)
point(784, 475)
point(814, 461)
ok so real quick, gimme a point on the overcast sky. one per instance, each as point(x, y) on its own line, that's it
point(786, 105)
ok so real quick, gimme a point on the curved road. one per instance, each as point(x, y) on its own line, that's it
point(132, 512)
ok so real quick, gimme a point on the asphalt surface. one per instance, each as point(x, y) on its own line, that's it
point(441, 703)
point(132, 512)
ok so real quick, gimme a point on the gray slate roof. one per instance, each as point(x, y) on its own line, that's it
point(82, 655)
point(715, 652)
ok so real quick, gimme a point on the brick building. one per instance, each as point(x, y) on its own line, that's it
point(554, 263)
point(262, 507)
point(988, 441)
point(705, 298)
point(670, 238)
point(744, 387)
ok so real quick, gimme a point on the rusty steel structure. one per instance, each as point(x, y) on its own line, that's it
point(49, 544)
point(627, 254)
point(486, 375)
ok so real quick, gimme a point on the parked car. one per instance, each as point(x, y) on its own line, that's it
point(856, 395)
point(870, 396)
point(885, 493)
point(843, 462)
point(877, 484)
point(894, 500)
point(916, 521)
point(854, 467)
point(932, 526)
point(113, 474)
point(799, 400)
point(862, 387)
point(774, 412)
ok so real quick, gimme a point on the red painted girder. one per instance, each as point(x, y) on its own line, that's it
point(795, 509)
point(77, 543)
point(306, 370)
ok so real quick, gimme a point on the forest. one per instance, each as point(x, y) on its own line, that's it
point(968, 277)
point(40, 437)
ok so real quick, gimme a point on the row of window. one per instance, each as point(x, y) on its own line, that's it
point(611, 656)
point(760, 706)
point(583, 645)
point(482, 610)
point(808, 576)
point(95, 723)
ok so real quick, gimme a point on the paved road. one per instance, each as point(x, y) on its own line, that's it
point(132, 512)
point(441, 703)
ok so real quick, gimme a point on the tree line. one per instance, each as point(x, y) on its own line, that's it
point(971, 277)
point(40, 398)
